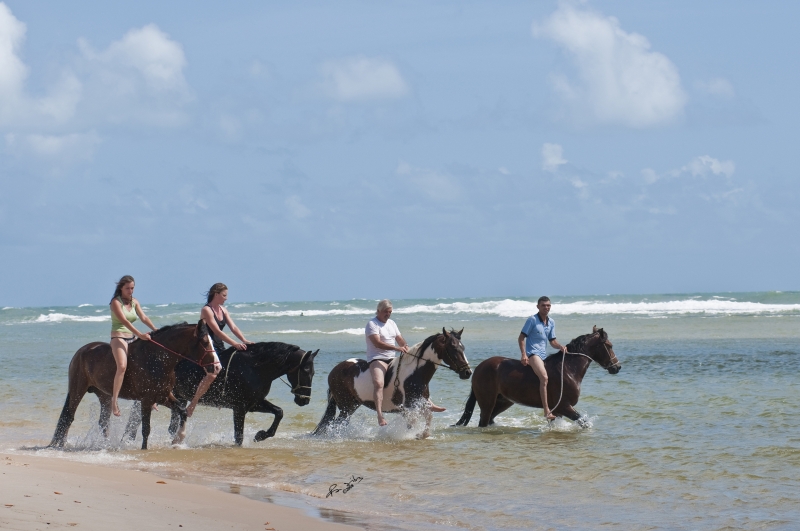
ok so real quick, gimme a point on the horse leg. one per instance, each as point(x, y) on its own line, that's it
point(501, 405)
point(327, 418)
point(569, 412)
point(105, 412)
point(147, 409)
point(133, 421)
point(66, 418)
point(486, 403)
point(267, 407)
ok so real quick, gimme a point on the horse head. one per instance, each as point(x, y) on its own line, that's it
point(450, 350)
point(300, 377)
point(600, 349)
point(201, 346)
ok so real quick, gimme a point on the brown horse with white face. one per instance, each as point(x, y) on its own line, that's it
point(500, 382)
point(406, 382)
point(149, 378)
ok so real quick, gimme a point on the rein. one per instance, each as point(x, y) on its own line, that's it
point(298, 386)
point(612, 359)
point(400, 360)
point(184, 357)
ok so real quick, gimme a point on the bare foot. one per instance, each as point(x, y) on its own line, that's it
point(436, 409)
point(115, 409)
point(382, 421)
point(155, 407)
point(190, 409)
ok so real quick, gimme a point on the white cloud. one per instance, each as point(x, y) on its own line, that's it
point(434, 184)
point(362, 78)
point(296, 207)
point(138, 78)
point(703, 165)
point(700, 166)
point(64, 148)
point(17, 108)
point(620, 80)
point(718, 86)
point(552, 157)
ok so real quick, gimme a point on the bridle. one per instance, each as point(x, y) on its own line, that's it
point(294, 390)
point(458, 368)
point(612, 361)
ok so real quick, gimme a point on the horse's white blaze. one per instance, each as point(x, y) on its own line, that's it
point(363, 382)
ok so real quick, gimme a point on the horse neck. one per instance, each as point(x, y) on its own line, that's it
point(415, 362)
point(173, 340)
point(578, 365)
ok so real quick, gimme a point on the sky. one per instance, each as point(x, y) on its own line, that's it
point(318, 150)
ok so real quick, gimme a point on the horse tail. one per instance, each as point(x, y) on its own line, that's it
point(330, 413)
point(469, 407)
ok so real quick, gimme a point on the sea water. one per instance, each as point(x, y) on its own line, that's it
point(700, 429)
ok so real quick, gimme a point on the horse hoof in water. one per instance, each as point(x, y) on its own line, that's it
point(583, 422)
point(263, 434)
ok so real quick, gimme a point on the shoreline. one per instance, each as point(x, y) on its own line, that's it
point(43, 493)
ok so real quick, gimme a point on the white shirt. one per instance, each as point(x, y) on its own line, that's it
point(386, 332)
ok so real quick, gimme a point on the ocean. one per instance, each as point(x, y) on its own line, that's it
point(700, 429)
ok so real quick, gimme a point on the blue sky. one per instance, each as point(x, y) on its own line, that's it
point(315, 151)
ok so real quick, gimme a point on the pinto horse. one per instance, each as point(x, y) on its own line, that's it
point(243, 385)
point(407, 378)
point(501, 382)
point(150, 375)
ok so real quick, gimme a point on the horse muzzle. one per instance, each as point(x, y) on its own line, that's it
point(614, 369)
point(465, 374)
point(302, 400)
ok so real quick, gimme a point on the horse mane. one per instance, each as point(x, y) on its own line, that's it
point(169, 328)
point(579, 343)
point(428, 341)
point(273, 354)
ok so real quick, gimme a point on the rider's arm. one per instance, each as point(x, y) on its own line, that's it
point(116, 307)
point(140, 312)
point(376, 340)
point(235, 329)
point(208, 316)
point(521, 341)
point(400, 341)
point(557, 345)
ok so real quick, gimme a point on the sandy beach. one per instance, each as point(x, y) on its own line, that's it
point(45, 493)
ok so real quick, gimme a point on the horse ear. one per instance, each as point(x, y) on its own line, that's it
point(458, 334)
point(313, 355)
point(594, 329)
point(444, 332)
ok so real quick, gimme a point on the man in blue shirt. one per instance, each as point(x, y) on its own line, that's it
point(538, 330)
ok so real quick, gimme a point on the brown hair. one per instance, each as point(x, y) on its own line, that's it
point(120, 284)
point(219, 287)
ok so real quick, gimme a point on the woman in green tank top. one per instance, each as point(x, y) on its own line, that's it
point(124, 311)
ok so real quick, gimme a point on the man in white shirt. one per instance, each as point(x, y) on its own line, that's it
point(383, 339)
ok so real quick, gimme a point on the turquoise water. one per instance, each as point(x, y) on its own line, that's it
point(698, 431)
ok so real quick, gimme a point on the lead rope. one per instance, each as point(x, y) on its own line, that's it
point(561, 393)
point(225, 383)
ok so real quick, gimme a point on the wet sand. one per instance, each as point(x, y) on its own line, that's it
point(45, 493)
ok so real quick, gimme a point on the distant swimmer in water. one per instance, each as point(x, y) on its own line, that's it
point(216, 317)
point(124, 311)
point(537, 331)
point(383, 339)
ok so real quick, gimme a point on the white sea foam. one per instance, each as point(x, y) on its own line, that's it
point(516, 308)
point(59, 317)
point(84, 305)
point(8, 307)
point(353, 331)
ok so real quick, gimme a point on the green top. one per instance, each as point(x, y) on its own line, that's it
point(130, 315)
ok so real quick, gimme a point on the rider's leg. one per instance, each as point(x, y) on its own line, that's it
point(538, 367)
point(433, 407)
point(119, 348)
point(378, 370)
point(205, 383)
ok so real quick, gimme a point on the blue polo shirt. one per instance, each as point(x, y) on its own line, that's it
point(538, 334)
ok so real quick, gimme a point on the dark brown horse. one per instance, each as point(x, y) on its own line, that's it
point(150, 375)
point(406, 380)
point(500, 382)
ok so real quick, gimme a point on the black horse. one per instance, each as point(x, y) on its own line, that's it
point(243, 384)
